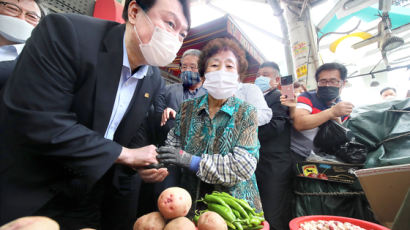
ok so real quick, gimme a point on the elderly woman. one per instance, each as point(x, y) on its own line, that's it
point(215, 136)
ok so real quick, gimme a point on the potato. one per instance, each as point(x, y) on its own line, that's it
point(31, 223)
point(174, 202)
point(180, 223)
point(211, 221)
point(150, 221)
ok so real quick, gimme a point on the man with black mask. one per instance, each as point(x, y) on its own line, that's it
point(316, 107)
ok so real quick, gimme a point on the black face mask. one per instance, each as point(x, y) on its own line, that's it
point(327, 93)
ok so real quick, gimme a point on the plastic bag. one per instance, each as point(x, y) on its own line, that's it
point(331, 136)
point(385, 129)
point(352, 152)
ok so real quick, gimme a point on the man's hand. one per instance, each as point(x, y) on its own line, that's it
point(168, 112)
point(288, 102)
point(139, 157)
point(171, 155)
point(153, 175)
point(342, 109)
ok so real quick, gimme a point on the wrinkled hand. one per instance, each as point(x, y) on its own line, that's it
point(343, 108)
point(138, 157)
point(168, 113)
point(153, 175)
point(171, 155)
point(288, 102)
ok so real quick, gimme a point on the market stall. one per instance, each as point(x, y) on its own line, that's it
point(201, 35)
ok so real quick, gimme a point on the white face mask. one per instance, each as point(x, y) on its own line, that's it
point(14, 29)
point(162, 48)
point(221, 84)
point(390, 98)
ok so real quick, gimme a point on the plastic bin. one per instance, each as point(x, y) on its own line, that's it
point(295, 223)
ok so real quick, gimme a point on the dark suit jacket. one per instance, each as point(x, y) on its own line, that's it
point(6, 67)
point(275, 136)
point(56, 108)
point(174, 95)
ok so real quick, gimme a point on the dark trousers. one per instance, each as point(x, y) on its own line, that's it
point(112, 204)
point(274, 177)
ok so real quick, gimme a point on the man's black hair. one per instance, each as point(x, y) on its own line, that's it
point(148, 4)
point(270, 64)
point(387, 88)
point(43, 11)
point(332, 66)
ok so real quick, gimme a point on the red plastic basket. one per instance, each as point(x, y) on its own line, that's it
point(265, 225)
point(295, 223)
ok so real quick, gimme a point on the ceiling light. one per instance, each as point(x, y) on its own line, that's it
point(374, 82)
point(392, 43)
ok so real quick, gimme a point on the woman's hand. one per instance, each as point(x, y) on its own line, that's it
point(171, 155)
point(168, 112)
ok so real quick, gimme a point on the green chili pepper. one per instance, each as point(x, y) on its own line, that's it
point(246, 206)
point(258, 218)
point(254, 221)
point(260, 214)
point(215, 199)
point(256, 227)
point(230, 225)
point(225, 212)
point(196, 218)
point(236, 213)
point(238, 225)
point(233, 204)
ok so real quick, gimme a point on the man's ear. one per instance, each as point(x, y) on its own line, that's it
point(133, 10)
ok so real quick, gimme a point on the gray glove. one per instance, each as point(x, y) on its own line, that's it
point(170, 155)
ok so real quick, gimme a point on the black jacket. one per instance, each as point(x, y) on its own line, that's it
point(6, 68)
point(275, 136)
point(56, 108)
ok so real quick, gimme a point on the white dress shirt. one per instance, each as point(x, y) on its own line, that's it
point(253, 95)
point(125, 91)
point(10, 52)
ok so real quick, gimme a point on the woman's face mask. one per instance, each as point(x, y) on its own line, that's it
point(221, 84)
point(15, 29)
point(162, 48)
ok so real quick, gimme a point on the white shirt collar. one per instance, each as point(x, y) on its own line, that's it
point(141, 73)
point(10, 52)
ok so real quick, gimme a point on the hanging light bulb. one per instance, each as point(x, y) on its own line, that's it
point(374, 82)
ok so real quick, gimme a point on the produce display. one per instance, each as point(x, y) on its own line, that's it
point(328, 225)
point(237, 213)
point(173, 204)
point(211, 221)
point(223, 212)
point(150, 221)
point(179, 224)
point(31, 223)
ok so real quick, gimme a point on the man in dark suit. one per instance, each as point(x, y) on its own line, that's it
point(72, 113)
point(274, 170)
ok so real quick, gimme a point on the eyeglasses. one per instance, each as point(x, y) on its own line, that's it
point(331, 82)
point(191, 67)
point(13, 10)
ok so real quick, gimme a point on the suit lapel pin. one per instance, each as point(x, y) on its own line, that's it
point(146, 95)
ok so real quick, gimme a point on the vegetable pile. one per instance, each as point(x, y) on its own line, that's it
point(237, 213)
point(173, 204)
